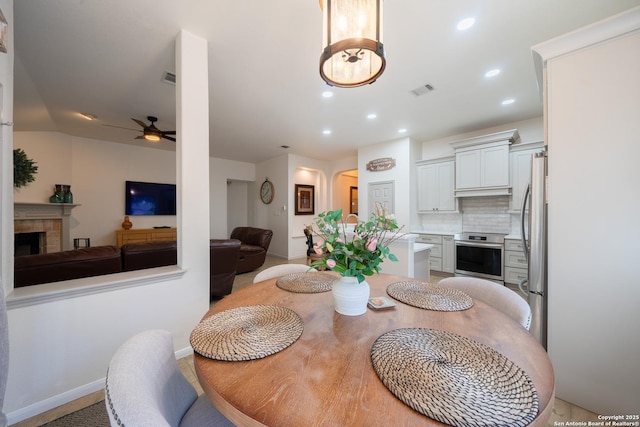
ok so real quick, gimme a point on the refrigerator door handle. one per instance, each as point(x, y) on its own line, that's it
point(523, 236)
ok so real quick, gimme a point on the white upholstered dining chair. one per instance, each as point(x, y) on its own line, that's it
point(281, 270)
point(496, 295)
point(145, 387)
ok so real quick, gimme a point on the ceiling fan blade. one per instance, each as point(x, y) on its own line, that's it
point(144, 125)
point(170, 138)
point(121, 127)
point(168, 132)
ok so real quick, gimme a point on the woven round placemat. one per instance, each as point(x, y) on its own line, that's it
point(307, 283)
point(429, 296)
point(453, 379)
point(246, 333)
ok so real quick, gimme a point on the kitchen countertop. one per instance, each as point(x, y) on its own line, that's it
point(418, 247)
point(441, 233)
point(513, 237)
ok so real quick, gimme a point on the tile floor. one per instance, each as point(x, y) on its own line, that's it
point(563, 412)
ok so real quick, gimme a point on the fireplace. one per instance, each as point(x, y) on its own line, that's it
point(49, 220)
point(28, 243)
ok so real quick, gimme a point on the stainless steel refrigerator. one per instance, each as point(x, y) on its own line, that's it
point(533, 222)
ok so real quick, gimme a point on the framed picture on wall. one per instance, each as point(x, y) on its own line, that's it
point(305, 196)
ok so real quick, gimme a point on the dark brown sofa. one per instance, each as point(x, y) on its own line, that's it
point(66, 265)
point(138, 256)
point(254, 246)
point(100, 260)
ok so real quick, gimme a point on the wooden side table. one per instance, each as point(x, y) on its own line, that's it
point(145, 235)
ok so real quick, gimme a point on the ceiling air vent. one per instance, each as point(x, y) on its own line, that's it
point(169, 78)
point(419, 91)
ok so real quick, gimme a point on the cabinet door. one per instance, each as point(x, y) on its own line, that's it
point(427, 188)
point(494, 165)
point(447, 254)
point(520, 175)
point(468, 169)
point(446, 186)
point(436, 187)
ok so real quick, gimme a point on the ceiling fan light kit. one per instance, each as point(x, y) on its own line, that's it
point(152, 133)
point(353, 53)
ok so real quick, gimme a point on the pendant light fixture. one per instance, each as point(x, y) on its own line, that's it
point(353, 53)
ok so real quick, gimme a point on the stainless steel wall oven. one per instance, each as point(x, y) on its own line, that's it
point(480, 255)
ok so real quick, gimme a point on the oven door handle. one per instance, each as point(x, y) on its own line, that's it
point(480, 245)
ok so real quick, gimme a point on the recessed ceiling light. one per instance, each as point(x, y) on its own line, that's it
point(327, 94)
point(465, 24)
point(508, 101)
point(403, 130)
point(492, 73)
point(326, 132)
point(371, 116)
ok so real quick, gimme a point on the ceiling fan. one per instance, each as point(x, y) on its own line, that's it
point(150, 132)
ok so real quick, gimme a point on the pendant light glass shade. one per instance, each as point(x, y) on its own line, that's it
point(353, 53)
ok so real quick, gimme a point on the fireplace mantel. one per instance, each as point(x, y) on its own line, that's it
point(42, 210)
point(25, 214)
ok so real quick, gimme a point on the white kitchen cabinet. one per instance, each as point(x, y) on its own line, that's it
point(482, 165)
point(436, 186)
point(515, 263)
point(442, 252)
point(521, 172)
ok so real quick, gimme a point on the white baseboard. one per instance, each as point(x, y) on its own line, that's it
point(55, 401)
point(69, 396)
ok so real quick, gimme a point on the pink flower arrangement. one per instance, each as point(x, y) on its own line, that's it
point(362, 254)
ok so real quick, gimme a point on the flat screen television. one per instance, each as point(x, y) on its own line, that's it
point(148, 198)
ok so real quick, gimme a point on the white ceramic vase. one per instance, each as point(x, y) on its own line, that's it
point(350, 297)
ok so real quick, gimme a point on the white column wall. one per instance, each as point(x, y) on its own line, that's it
point(60, 349)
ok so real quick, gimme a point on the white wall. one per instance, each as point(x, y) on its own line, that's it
point(401, 151)
point(237, 205)
point(60, 348)
point(6, 202)
point(222, 170)
point(96, 171)
point(273, 216)
point(593, 129)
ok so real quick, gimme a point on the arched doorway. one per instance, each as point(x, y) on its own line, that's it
point(345, 193)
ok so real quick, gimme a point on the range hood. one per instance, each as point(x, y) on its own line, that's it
point(482, 164)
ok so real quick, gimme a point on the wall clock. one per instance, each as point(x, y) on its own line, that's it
point(266, 192)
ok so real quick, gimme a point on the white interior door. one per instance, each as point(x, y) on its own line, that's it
point(382, 194)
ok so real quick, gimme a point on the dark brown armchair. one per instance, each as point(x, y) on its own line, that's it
point(254, 246)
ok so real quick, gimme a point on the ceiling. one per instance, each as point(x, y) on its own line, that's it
point(107, 58)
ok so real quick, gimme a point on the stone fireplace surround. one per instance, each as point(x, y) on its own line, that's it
point(52, 219)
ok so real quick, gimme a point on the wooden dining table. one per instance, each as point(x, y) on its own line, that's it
point(326, 377)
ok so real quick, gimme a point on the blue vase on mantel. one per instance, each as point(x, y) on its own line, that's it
point(58, 196)
point(61, 194)
point(67, 196)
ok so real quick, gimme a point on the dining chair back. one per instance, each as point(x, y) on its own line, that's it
point(281, 270)
point(145, 387)
point(496, 295)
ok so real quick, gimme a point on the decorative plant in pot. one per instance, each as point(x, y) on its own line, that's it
point(24, 168)
point(354, 254)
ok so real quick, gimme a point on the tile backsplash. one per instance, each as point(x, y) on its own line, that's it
point(482, 214)
point(486, 214)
